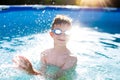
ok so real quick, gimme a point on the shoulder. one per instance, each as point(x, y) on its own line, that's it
point(73, 58)
point(45, 52)
point(44, 55)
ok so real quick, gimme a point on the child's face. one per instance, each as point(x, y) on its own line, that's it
point(61, 33)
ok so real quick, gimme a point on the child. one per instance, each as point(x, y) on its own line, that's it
point(57, 60)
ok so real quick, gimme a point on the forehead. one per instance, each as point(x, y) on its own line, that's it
point(62, 26)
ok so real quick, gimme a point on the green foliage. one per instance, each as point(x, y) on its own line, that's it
point(47, 1)
point(60, 2)
point(56, 2)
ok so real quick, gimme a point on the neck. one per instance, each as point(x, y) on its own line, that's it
point(60, 47)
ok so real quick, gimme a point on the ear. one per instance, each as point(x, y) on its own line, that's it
point(51, 34)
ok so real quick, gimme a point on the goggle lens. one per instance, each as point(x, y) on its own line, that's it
point(59, 32)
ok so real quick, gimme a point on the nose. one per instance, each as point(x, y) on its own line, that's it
point(63, 34)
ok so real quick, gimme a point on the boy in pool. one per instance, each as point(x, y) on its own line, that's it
point(59, 56)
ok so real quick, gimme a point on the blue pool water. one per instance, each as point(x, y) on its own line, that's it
point(95, 39)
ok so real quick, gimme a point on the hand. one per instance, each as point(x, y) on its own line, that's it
point(24, 64)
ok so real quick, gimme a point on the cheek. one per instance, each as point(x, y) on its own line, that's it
point(54, 36)
point(67, 38)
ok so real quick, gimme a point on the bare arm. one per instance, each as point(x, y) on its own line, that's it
point(43, 63)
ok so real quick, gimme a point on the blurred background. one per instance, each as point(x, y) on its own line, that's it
point(83, 3)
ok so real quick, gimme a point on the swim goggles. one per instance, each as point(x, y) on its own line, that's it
point(58, 31)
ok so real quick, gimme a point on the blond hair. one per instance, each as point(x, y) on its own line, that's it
point(61, 19)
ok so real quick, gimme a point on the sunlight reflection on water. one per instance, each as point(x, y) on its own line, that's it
point(97, 60)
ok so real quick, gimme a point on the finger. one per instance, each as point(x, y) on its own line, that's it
point(23, 58)
point(22, 67)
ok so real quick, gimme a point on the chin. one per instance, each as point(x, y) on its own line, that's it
point(62, 43)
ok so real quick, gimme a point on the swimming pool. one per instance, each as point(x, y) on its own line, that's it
point(95, 39)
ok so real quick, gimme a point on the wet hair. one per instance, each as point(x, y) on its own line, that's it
point(61, 19)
